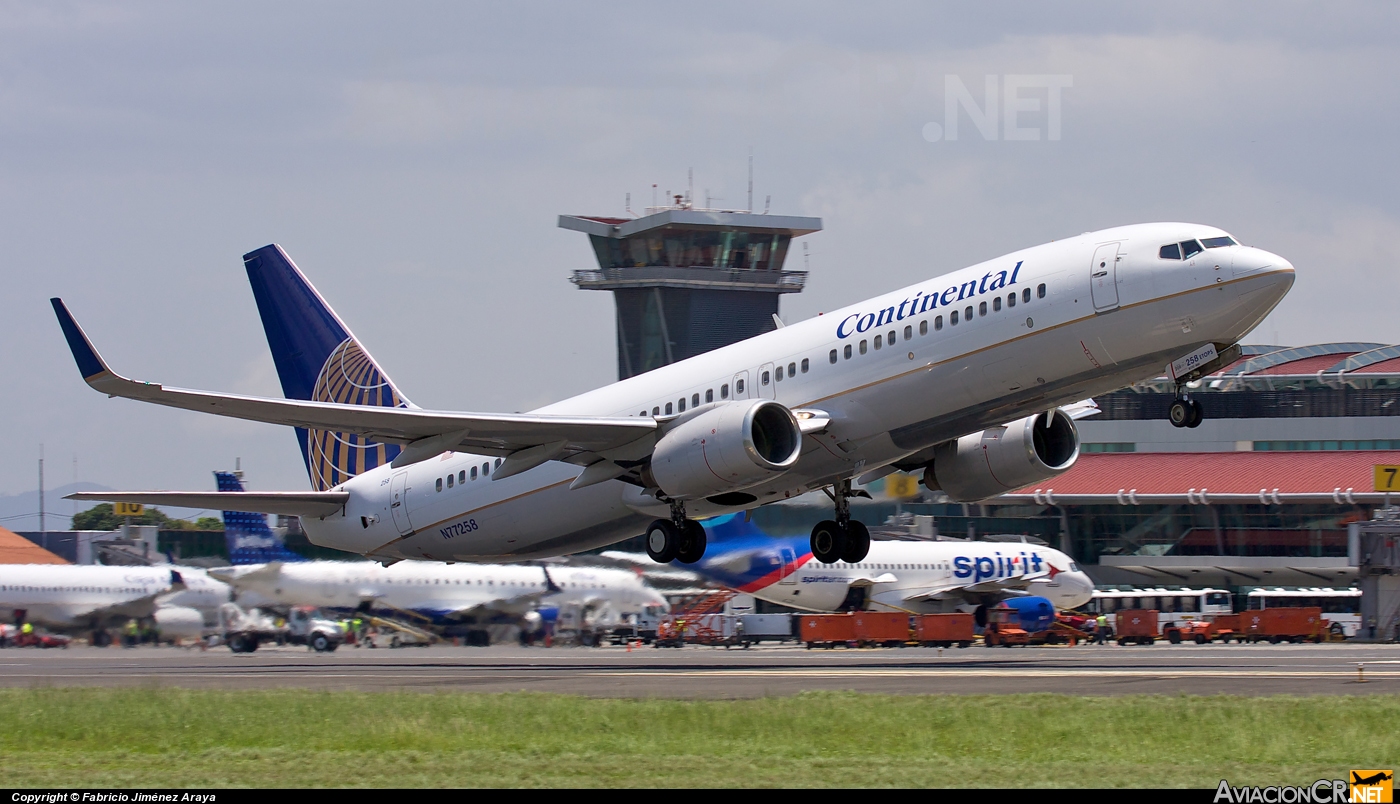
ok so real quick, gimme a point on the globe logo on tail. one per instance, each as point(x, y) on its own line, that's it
point(348, 377)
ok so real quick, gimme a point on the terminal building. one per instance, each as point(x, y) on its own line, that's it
point(687, 280)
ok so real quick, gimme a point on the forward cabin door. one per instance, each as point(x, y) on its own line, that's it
point(1103, 278)
point(398, 503)
point(767, 383)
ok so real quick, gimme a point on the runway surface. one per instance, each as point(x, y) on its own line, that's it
point(703, 672)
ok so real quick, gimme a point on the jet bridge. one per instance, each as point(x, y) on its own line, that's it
point(1374, 549)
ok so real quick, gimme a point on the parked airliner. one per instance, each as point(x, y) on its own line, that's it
point(183, 601)
point(913, 576)
point(266, 573)
point(959, 377)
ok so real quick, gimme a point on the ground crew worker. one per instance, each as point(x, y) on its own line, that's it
point(133, 633)
point(359, 626)
point(26, 631)
point(1101, 630)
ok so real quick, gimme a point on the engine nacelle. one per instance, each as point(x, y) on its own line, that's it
point(1000, 459)
point(179, 622)
point(725, 449)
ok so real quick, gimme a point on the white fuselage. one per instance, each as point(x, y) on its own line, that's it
point(932, 577)
point(894, 374)
point(79, 597)
point(442, 590)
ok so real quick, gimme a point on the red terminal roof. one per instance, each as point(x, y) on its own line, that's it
point(1306, 365)
point(1391, 366)
point(1221, 472)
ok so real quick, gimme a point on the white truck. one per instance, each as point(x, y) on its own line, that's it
point(243, 631)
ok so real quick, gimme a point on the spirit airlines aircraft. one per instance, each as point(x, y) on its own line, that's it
point(95, 598)
point(266, 573)
point(924, 577)
point(959, 376)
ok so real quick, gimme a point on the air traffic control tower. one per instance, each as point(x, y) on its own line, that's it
point(689, 280)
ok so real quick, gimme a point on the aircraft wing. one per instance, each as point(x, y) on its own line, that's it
point(139, 607)
point(1010, 587)
point(425, 433)
point(289, 503)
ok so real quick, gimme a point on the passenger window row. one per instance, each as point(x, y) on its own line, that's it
point(891, 338)
point(464, 475)
point(680, 405)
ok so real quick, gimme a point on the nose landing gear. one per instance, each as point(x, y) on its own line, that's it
point(842, 539)
point(676, 539)
point(1185, 412)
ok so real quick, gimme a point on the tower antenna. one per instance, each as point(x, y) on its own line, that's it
point(750, 206)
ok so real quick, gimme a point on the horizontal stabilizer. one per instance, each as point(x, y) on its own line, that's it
point(288, 503)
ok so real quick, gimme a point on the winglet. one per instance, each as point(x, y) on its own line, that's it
point(89, 362)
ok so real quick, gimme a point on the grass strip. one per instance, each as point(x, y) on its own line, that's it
point(290, 738)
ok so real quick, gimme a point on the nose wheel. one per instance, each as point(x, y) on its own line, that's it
point(841, 539)
point(1185, 412)
point(676, 539)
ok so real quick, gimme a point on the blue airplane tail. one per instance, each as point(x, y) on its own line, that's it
point(318, 359)
point(250, 540)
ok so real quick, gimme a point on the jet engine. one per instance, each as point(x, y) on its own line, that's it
point(1000, 459)
point(725, 449)
point(179, 622)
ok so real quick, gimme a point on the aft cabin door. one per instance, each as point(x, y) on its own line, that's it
point(787, 574)
point(1103, 278)
point(398, 503)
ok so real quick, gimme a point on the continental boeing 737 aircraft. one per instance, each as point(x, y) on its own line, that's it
point(959, 377)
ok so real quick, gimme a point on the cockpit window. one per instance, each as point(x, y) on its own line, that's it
point(1218, 242)
point(1171, 251)
point(1189, 249)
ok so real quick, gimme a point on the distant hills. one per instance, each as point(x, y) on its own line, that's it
point(20, 512)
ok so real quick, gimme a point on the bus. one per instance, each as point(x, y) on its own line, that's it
point(1341, 606)
point(1172, 605)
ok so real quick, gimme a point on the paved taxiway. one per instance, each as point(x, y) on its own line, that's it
point(717, 673)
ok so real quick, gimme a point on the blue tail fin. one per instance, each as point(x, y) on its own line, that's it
point(318, 359)
point(250, 540)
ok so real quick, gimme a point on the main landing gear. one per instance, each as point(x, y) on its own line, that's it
point(676, 539)
point(842, 539)
point(1185, 411)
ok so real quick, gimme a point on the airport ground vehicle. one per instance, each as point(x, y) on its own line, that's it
point(1004, 628)
point(1285, 624)
point(827, 630)
point(1198, 631)
point(1137, 626)
point(1341, 607)
point(243, 631)
point(885, 629)
point(944, 630)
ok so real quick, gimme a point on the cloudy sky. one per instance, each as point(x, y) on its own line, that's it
point(413, 157)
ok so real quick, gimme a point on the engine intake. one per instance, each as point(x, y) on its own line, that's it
point(1000, 459)
point(725, 449)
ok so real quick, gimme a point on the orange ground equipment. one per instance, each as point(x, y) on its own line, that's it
point(1136, 626)
point(1285, 624)
point(886, 629)
point(1179, 631)
point(944, 630)
point(1004, 628)
point(1226, 627)
point(827, 630)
